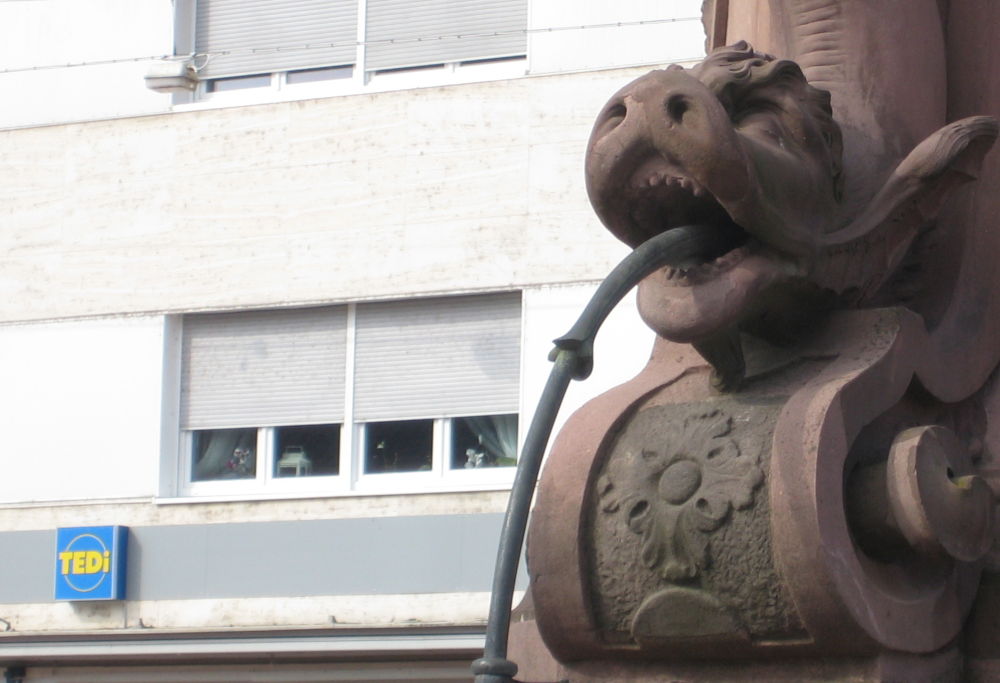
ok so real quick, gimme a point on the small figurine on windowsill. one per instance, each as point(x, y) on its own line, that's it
point(241, 463)
point(475, 459)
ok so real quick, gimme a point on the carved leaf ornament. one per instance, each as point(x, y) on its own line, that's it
point(674, 497)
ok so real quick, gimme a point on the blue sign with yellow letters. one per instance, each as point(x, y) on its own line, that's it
point(90, 563)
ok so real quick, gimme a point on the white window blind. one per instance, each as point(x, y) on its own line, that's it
point(438, 357)
point(263, 368)
point(402, 33)
point(256, 36)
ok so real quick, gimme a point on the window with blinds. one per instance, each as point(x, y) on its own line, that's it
point(425, 389)
point(441, 358)
point(241, 37)
point(402, 33)
point(282, 370)
point(241, 43)
point(263, 368)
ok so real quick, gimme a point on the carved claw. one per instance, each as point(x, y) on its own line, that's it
point(724, 352)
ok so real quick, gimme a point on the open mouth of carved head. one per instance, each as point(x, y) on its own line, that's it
point(720, 267)
point(660, 198)
point(741, 148)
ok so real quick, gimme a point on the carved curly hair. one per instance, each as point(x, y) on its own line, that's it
point(734, 71)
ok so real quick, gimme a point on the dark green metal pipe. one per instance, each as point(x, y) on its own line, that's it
point(573, 357)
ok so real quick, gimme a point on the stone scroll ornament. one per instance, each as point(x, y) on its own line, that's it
point(797, 470)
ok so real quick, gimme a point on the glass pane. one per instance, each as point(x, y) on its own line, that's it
point(409, 69)
point(307, 450)
point(404, 446)
point(328, 73)
point(492, 60)
point(238, 83)
point(483, 441)
point(224, 454)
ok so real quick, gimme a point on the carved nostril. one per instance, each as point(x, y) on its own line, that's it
point(676, 106)
point(613, 117)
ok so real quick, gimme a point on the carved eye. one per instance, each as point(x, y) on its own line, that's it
point(762, 121)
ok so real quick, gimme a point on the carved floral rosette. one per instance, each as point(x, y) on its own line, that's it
point(681, 490)
point(674, 522)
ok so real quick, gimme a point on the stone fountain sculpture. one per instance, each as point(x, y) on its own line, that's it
point(802, 483)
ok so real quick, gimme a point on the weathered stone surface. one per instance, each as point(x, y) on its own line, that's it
point(857, 522)
point(744, 148)
point(682, 502)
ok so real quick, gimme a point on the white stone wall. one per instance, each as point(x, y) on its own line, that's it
point(80, 409)
point(94, 400)
point(67, 60)
point(575, 35)
point(460, 188)
point(135, 212)
point(70, 60)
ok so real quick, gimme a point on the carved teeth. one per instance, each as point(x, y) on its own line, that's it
point(733, 257)
point(692, 275)
point(662, 178)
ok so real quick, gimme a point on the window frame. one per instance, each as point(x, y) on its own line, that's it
point(265, 479)
point(362, 80)
point(441, 476)
point(351, 479)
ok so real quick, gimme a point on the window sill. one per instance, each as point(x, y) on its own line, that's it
point(376, 83)
point(381, 489)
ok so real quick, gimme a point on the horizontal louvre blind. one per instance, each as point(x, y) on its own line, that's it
point(438, 357)
point(401, 33)
point(263, 368)
point(259, 36)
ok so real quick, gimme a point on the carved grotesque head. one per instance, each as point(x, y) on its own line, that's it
point(741, 146)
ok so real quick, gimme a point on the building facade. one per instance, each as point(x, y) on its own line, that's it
point(279, 281)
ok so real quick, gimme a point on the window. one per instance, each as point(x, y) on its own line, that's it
point(243, 37)
point(403, 33)
point(244, 44)
point(408, 395)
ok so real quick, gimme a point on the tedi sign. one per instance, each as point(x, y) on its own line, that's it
point(90, 563)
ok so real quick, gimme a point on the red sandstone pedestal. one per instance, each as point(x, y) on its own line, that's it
point(826, 521)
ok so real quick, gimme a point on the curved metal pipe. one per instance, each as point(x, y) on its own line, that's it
point(573, 357)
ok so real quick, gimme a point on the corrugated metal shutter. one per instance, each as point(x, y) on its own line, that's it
point(401, 33)
point(274, 35)
point(263, 368)
point(338, 668)
point(438, 357)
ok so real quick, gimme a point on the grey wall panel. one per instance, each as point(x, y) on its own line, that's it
point(392, 555)
point(169, 560)
point(27, 566)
